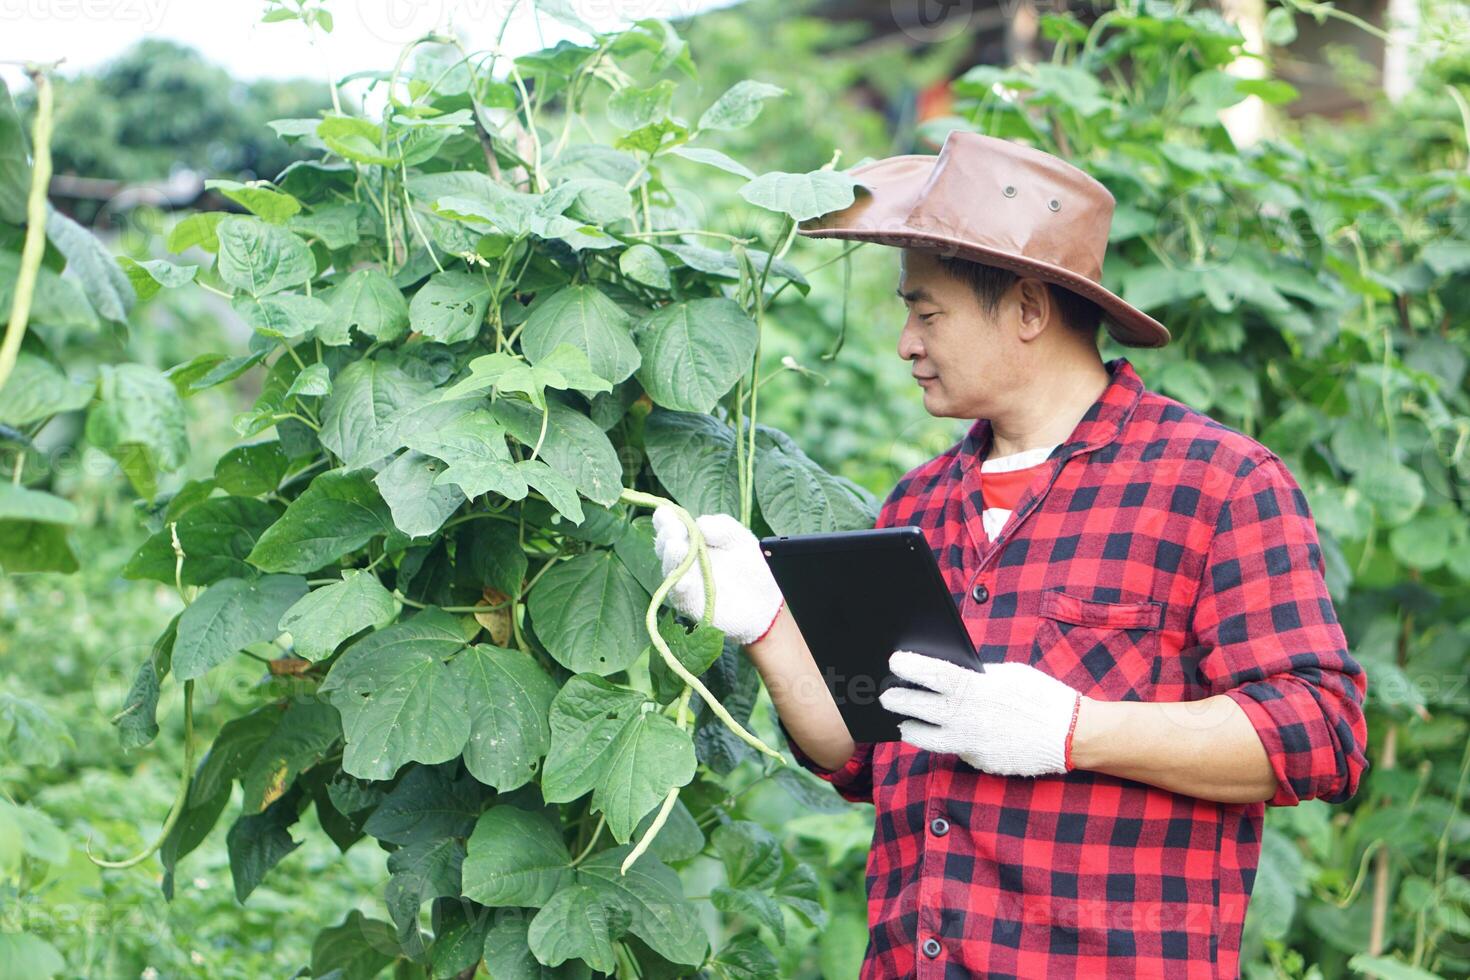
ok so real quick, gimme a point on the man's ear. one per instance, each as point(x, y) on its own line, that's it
point(1033, 307)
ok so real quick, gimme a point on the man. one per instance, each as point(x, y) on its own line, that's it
point(1158, 655)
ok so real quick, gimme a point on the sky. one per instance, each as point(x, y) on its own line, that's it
point(367, 34)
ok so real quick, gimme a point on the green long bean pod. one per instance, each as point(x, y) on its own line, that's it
point(697, 546)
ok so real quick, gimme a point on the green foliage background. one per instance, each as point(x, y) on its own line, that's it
point(1316, 286)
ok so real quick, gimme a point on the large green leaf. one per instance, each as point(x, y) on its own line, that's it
point(575, 923)
point(15, 168)
point(695, 458)
point(565, 367)
point(34, 546)
point(261, 258)
point(739, 105)
point(654, 898)
point(340, 512)
point(324, 617)
point(334, 225)
point(1395, 491)
point(799, 497)
point(23, 954)
point(633, 108)
point(802, 196)
point(231, 614)
point(573, 446)
point(515, 858)
point(361, 417)
point(488, 552)
point(752, 904)
point(418, 504)
point(238, 741)
point(509, 695)
point(680, 837)
point(200, 228)
point(139, 421)
point(696, 650)
point(587, 717)
point(257, 842)
point(474, 447)
point(355, 139)
point(369, 301)
point(427, 804)
point(508, 954)
point(58, 301)
point(694, 352)
point(750, 852)
point(357, 947)
point(401, 695)
point(24, 504)
point(421, 871)
point(305, 732)
point(451, 306)
point(215, 536)
point(285, 316)
point(584, 317)
point(560, 492)
point(588, 611)
point(651, 756)
point(488, 206)
point(643, 263)
point(714, 158)
point(603, 740)
point(252, 469)
point(459, 935)
point(137, 720)
point(37, 389)
point(272, 205)
point(90, 263)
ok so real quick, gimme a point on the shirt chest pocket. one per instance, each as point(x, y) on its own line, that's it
point(1106, 650)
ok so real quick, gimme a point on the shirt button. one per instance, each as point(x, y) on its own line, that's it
point(980, 593)
point(931, 948)
point(940, 826)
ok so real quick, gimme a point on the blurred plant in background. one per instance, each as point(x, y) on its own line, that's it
point(1316, 284)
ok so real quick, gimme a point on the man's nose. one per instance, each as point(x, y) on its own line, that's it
point(908, 346)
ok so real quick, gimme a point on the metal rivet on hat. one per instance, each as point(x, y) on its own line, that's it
point(1054, 204)
point(1009, 191)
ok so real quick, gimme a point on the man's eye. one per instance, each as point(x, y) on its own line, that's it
point(925, 316)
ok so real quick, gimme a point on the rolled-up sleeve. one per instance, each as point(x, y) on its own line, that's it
point(853, 782)
point(1271, 640)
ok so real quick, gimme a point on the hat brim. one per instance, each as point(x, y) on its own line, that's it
point(899, 180)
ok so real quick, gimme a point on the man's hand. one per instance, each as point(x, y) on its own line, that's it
point(1011, 719)
point(747, 598)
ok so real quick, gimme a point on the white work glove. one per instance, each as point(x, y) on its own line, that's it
point(1011, 719)
point(747, 598)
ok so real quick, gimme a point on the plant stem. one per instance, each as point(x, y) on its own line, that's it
point(179, 799)
point(35, 240)
point(601, 821)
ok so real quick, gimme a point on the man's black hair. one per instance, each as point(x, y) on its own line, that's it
point(989, 283)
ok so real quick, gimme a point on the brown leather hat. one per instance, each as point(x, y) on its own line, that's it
point(996, 202)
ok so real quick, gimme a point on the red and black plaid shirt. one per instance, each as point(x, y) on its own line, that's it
point(1158, 556)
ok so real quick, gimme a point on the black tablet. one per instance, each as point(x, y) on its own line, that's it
point(858, 596)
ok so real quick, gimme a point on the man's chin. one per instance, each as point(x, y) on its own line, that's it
point(936, 405)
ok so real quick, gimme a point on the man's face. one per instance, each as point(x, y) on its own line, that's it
point(976, 360)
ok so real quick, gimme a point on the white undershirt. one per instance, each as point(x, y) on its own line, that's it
point(994, 518)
